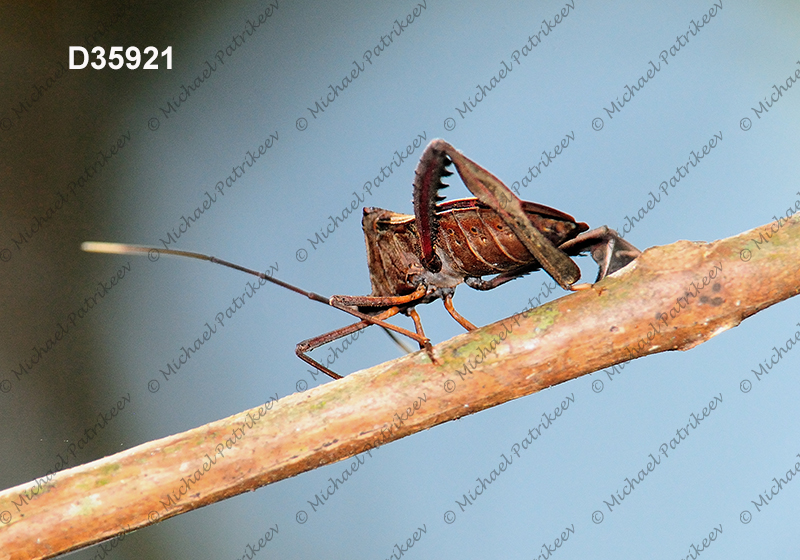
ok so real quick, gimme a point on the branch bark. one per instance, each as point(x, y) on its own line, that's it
point(671, 298)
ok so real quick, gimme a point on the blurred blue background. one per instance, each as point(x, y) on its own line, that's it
point(418, 84)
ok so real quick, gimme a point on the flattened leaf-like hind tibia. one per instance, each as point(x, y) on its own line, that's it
point(427, 184)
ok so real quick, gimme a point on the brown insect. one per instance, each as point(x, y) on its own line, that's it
point(420, 258)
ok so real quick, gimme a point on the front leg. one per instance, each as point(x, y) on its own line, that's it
point(350, 304)
point(490, 191)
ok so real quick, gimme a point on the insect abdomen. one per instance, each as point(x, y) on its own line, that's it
point(479, 243)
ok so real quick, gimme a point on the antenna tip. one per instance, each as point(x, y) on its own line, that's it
point(103, 247)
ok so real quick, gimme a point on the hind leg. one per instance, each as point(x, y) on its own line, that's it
point(610, 251)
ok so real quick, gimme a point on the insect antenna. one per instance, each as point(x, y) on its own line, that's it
point(126, 249)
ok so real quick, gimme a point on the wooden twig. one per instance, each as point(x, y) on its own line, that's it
point(671, 298)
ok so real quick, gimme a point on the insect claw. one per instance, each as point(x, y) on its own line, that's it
point(429, 351)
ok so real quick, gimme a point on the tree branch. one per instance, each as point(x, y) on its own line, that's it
point(671, 298)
